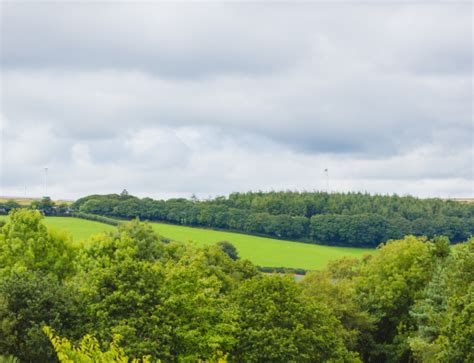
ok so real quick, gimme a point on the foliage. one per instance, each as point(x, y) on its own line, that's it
point(126, 293)
point(352, 219)
point(25, 243)
point(166, 300)
point(445, 315)
point(272, 255)
point(263, 251)
point(229, 249)
point(88, 350)
point(97, 218)
point(8, 206)
point(283, 270)
point(389, 284)
point(336, 289)
point(278, 326)
point(8, 359)
point(28, 300)
point(45, 205)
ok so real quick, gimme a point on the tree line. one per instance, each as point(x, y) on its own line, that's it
point(352, 219)
point(45, 205)
point(127, 295)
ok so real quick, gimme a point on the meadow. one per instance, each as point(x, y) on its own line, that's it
point(261, 251)
point(79, 229)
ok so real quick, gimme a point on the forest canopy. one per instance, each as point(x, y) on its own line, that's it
point(351, 219)
point(127, 294)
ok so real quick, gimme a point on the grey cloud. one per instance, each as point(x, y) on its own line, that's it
point(171, 40)
point(193, 40)
point(220, 97)
point(360, 114)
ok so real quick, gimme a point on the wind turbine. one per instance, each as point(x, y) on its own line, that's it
point(45, 182)
point(326, 173)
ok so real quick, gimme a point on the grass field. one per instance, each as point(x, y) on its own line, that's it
point(260, 250)
point(79, 229)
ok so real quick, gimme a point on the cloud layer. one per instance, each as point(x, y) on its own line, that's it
point(175, 99)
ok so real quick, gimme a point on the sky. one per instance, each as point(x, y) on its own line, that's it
point(175, 99)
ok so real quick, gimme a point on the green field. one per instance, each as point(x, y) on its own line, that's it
point(260, 250)
point(79, 229)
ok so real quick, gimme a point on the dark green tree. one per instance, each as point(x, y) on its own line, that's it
point(229, 249)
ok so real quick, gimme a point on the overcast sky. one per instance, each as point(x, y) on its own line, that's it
point(206, 98)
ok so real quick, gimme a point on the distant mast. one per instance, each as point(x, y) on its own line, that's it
point(326, 173)
point(45, 182)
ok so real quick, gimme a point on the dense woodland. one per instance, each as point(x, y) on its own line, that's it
point(352, 219)
point(128, 294)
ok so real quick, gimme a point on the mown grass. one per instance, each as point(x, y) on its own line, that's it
point(260, 250)
point(79, 229)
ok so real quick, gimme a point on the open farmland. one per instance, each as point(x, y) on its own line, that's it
point(260, 250)
point(79, 229)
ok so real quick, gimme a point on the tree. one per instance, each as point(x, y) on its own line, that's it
point(121, 298)
point(278, 325)
point(335, 288)
point(445, 314)
point(26, 244)
point(229, 249)
point(45, 206)
point(89, 351)
point(389, 284)
point(165, 300)
point(9, 205)
point(351, 219)
point(28, 301)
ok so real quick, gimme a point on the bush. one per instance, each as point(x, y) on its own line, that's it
point(283, 270)
point(96, 218)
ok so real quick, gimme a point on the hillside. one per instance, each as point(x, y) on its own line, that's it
point(351, 219)
point(260, 250)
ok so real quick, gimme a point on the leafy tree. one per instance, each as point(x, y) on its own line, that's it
point(445, 314)
point(352, 219)
point(29, 300)
point(411, 301)
point(277, 325)
point(229, 249)
point(8, 359)
point(335, 288)
point(26, 244)
point(198, 319)
point(63, 209)
point(390, 282)
point(88, 350)
point(9, 205)
point(164, 300)
point(45, 205)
